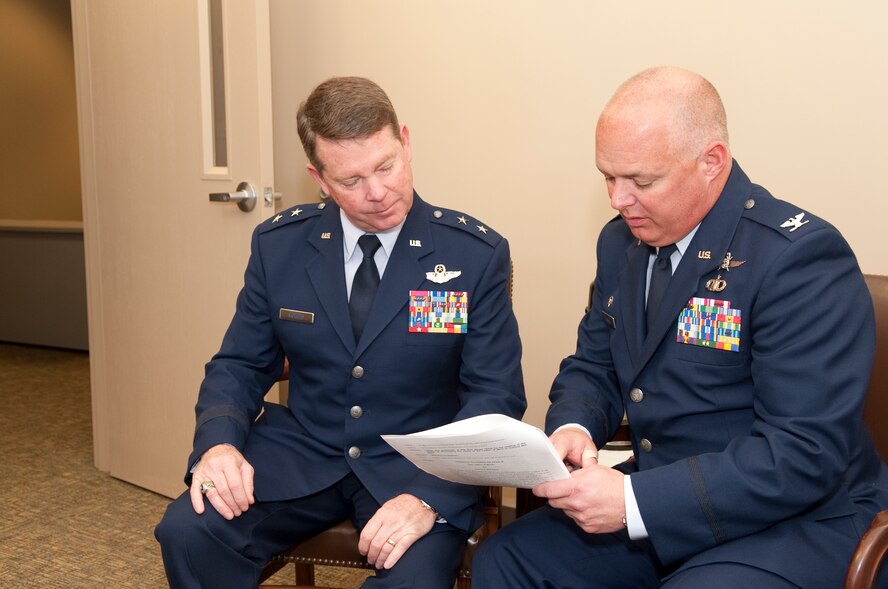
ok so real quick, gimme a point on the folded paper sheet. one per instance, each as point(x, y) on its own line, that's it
point(484, 450)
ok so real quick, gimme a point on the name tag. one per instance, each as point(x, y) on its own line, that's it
point(296, 316)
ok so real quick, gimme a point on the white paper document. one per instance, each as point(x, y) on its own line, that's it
point(484, 450)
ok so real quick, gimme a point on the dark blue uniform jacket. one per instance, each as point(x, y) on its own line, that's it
point(343, 395)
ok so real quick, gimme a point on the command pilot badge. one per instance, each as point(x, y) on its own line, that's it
point(442, 274)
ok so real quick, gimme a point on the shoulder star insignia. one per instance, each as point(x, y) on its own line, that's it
point(482, 229)
point(461, 219)
point(295, 213)
point(277, 218)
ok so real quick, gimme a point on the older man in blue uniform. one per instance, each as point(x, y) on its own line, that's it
point(736, 332)
point(394, 316)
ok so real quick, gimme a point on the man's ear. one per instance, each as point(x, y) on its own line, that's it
point(405, 142)
point(715, 158)
point(316, 176)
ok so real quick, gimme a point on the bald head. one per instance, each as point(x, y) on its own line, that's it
point(683, 104)
point(661, 144)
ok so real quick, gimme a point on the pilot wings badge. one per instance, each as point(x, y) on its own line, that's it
point(442, 274)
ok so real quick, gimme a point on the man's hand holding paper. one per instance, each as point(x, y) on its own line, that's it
point(593, 495)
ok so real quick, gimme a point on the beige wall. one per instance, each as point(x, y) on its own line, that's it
point(502, 96)
point(39, 163)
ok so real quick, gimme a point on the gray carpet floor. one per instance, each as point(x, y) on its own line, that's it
point(65, 524)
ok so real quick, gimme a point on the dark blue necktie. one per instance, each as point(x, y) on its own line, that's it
point(364, 285)
point(661, 273)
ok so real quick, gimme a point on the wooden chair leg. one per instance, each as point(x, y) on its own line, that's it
point(305, 574)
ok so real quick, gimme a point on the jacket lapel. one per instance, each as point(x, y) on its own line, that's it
point(632, 284)
point(327, 274)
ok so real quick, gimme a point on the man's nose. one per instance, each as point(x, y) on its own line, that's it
point(376, 190)
point(621, 194)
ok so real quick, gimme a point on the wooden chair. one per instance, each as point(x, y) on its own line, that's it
point(867, 560)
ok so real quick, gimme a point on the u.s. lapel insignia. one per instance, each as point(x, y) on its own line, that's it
point(326, 235)
point(442, 274)
point(415, 243)
point(795, 222)
point(704, 254)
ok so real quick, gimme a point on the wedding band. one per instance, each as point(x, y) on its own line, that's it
point(206, 486)
point(390, 542)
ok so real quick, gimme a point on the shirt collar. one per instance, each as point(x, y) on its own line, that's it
point(683, 243)
point(350, 235)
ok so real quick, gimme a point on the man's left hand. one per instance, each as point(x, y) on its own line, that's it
point(393, 529)
point(592, 497)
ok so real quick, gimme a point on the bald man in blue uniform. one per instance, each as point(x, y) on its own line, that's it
point(437, 342)
point(744, 386)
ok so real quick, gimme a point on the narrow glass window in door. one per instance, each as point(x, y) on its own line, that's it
point(212, 74)
point(220, 134)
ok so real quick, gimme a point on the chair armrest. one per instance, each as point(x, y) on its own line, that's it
point(285, 374)
point(869, 554)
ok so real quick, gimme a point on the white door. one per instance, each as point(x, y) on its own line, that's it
point(164, 264)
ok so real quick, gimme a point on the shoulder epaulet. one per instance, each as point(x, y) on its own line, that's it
point(292, 215)
point(785, 218)
point(465, 223)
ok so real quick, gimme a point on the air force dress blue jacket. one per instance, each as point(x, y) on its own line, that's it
point(745, 399)
point(396, 380)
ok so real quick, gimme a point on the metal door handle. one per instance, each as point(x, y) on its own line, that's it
point(245, 197)
point(271, 196)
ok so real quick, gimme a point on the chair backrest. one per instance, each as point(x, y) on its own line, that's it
point(876, 411)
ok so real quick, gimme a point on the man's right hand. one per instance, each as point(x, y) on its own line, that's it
point(575, 447)
point(231, 478)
